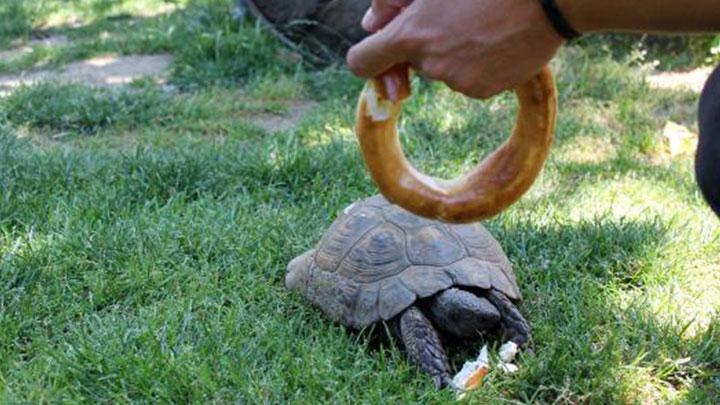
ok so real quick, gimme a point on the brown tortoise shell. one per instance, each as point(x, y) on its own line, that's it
point(377, 259)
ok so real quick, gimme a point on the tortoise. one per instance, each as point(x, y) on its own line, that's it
point(321, 30)
point(378, 262)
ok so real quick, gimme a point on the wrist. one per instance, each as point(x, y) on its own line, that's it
point(577, 15)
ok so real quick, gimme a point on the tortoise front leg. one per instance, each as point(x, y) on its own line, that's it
point(514, 326)
point(423, 345)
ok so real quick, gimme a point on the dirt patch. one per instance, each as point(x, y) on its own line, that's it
point(105, 71)
point(164, 9)
point(27, 48)
point(693, 80)
point(297, 109)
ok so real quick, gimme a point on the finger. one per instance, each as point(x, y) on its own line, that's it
point(396, 81)
point(469, 88)
point(375, 54)
point(392, 86)
point(382, 12)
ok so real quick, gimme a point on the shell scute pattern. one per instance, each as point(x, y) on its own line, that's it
point(426, 280)
point(376, 260)
point(376, 201)
point(367, 309)
point(432, 245)
point(344, 234)
point(469, 272)
point(404, 219)
point(483, 246)
point(479, 242)
point(377, 255)
point(394, 297)
point(334, 294)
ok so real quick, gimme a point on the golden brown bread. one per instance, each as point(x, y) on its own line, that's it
point(496, 183)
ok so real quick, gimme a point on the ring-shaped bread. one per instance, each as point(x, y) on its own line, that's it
point(496, 183)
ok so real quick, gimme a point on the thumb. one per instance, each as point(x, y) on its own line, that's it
point(375, 54)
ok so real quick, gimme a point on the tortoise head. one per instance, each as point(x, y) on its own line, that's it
point(707, 160)
point(299, 272)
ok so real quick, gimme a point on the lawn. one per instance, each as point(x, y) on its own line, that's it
point(144, 232)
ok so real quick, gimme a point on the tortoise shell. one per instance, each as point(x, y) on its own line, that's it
point(377, 259)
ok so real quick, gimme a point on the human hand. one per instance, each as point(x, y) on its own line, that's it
point(382, 12)
point(477, 47)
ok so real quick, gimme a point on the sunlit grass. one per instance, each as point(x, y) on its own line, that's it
point(587, 150)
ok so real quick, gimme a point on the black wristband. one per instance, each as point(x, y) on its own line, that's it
point(558, 20)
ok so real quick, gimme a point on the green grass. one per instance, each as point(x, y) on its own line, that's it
point(144, 234)
point(668, 52)
point(73, 107)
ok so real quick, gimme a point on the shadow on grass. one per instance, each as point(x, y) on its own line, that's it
point(594, 344)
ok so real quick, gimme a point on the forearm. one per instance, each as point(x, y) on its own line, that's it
point(642, 15)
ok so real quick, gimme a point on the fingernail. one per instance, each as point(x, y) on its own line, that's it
point(392, 85)
point(368, 21)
